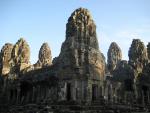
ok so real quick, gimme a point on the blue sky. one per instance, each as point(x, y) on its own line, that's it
point(39, 21)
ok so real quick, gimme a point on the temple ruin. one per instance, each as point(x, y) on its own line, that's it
point(79, 75)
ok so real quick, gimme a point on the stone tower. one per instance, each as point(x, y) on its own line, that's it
point(114, 55)
point(80, 62)
point(20, 55)
point(45, 58)
point(5, 58)
point(137, 55)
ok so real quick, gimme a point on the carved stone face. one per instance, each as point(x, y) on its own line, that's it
point(114, 56)
point(21, 55)
point(45, 54)
point(21, 52)
point(80, 51)
point(137, 55)
point(5, 58)
point(24, 54)
point(81, 25)
point(45, 58)
point(6, 52)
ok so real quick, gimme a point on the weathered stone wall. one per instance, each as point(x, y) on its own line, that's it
point(33, 87)
point(80, 90)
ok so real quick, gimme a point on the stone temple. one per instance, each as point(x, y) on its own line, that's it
point(79, 79)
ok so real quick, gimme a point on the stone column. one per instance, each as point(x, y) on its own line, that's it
point(27, 97)
point(45, 92)
point(33, 92)
point(136, 91)
point(143, 101)
point(18, 95)
point(89, 91)
point(36, 94)
point(39, 92)
point(148, 97)
point(74, 90)
point(13, 96)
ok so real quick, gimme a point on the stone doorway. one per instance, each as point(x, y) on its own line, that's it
point(94, 92)
point(68, 96)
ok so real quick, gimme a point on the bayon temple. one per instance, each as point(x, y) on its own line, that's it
point(80, 74)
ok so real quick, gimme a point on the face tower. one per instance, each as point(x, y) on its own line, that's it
point(81, 64)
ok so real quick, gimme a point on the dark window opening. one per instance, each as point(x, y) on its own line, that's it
point(94, 92)
point(68, 91)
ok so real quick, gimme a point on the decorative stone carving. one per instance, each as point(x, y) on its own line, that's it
point(21, 55)
point(45, 58)
point(137, 55)
point(5, 58)
point(80, 52)
point(114, 55)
